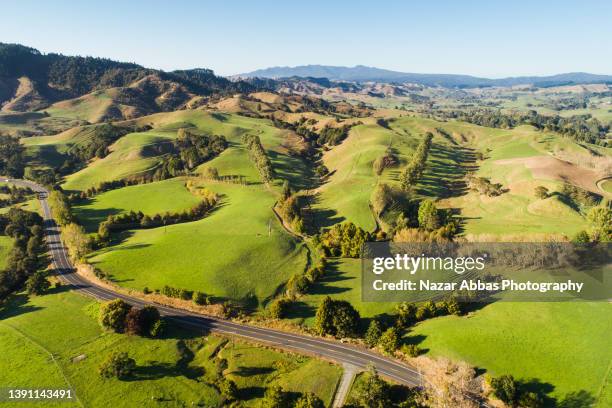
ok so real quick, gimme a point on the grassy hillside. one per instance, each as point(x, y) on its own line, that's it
point(132, 154)
point(238, 250)
point(153, 198)
point(63, 325)
point(563, 344)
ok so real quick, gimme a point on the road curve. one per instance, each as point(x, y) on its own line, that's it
point(327, 349)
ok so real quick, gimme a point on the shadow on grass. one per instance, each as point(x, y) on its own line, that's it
point(252, 371)
point(16, 306)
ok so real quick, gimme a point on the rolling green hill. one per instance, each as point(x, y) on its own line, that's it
point(44, 344)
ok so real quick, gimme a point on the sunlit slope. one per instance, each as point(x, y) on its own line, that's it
point(238, 250)
point(564, 344)
point(138, 152)
point(153, 198)
point(64, 324)
point(130, 155)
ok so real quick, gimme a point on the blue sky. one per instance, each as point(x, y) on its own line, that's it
point(485, 38)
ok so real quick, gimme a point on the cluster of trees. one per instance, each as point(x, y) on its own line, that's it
point(97, 142)
point(120, 317)
point(276, 397)
point(12, 162)
point(108, 186)
point(343, 240)
point(289, 208)
point(76, 76)
point(434, 225)
point(258, 156)
point(408, 313)
point(297, 286)
point(330, 135)
point(134, 220)
point(579, 197)
point(374, 392)
point(15, 195)
point(197, 148)
point(337, 318)
point(212, 173)
point(199, 298)
point(483, 185)
point(582, 128)
point(27, 261)
point(513, 393)
point(414, 170)
point(191, 151)
point(388, 339)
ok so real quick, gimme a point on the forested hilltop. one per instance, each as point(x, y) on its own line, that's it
point(47, 78)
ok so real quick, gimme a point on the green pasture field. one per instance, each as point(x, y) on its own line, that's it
point(54, 340)
point(153, 198)
point(238, 251)
point(563, 346)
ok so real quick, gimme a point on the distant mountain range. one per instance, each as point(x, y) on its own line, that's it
point(362, 73)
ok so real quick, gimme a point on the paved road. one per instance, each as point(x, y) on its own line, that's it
point(331, 350)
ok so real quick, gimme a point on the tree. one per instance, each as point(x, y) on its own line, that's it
point(373, 333)
point(324, 319)
point(275, 397)
point(117, 365)
point(530, 400)
point(541, 192)
point(600, 220)
point(77, 241)
point(199, 298)
point(389, 341)
point(406, 314)
point(149, 318)
point(374, 393)
point(133, 322)
point(345, 319)
point(309, 400)
point(411, 350)
point(37, 283)
point(582, 237)
point(228, 389)
point(113, 314)
point(428, 216)
point(286, 191)
point(505, 388)
point(278, 308)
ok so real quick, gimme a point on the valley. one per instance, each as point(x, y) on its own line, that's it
point(249, 200)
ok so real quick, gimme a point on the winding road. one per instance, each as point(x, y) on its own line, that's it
point(327, 349)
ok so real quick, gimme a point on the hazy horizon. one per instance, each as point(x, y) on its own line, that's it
point(478, 39)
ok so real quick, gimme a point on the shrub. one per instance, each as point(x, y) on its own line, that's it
point(199, 298)
point(541, 192)
point(117, 365)
point(505, 388)
point(113, 314)
point(373, 333)
point(158, 328)
point(411, 350)
point(389, 341)
point(278, 308)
